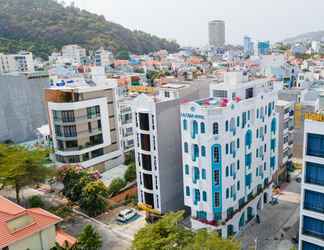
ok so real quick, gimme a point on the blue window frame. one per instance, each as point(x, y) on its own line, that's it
point(215, 128)
point(186, 147)
point(216, 155)
point(313, 227)
point(194, 129)
point(248, 160)
point(314, 201)
point(273, 125)
point(187, 191)
point(203, 174)
point(243, 119)
point(314, 173)
point(185, 124)
point(203, 151)
point(195, 152)
point(248, 180)
point(315, 145)
point(204, 196)
point(216, 177)
point(196, 173)
point(202, 128)
point(197, 195)
point(273, 162)
point(187, 169)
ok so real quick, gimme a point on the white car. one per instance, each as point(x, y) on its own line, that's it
point(126, 214)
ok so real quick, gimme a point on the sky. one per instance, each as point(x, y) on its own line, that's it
point(186, 21)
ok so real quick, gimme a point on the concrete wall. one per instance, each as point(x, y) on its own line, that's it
point(22, 107)
point(43, 240)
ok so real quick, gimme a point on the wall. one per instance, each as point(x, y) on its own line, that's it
point(22, 107)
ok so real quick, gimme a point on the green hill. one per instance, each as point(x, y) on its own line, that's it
point(44, 25)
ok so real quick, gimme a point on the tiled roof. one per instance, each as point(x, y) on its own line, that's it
point(62, 238)
point(9, 211)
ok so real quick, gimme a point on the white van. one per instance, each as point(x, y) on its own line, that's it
point(126, 214)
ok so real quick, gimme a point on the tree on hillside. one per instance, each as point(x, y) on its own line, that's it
point(89, 239)
point(20, 167)
point(93, 198)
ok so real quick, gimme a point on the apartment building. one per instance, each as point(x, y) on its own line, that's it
point(83, 121)
point(311, 229)
point(74, 53)
point(304, 101)
point(126, 129)
point(230, 147)
point(103, 57)
point(286, 139)
point(158, 144)
point(22, 63)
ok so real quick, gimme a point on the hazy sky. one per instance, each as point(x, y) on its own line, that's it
point(186, 20)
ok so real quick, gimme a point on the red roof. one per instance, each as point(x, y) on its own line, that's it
point(62, 238)
point(38, 220)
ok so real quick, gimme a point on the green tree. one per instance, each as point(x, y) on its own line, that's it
point(167, 233)
point(93, 198)
point(89, 239)
point(205, 240)
point(130, 174)
point(36, 201)
point(115, 186)
point(122, 55)
point(20, 167)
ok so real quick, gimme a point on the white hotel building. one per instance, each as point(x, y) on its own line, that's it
point(311, 225)
point(229, 153)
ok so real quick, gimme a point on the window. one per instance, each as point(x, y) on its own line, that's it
point(186, 147)
point(187, 191)
point(144, 121)
point(58, 131)
point(314, 201)
point(89, 127)
point(216, 155)
point(226, 148)
point(227, 171)
point(313, 227)
point(69, 131)
point(238, 186)
point(203, 151)
point(197, 195)
point(68, 116)
point(226, 126)
point(93, 112)
point(216, 177)
point(238, 122)
point(314, 173)
point(167, 94)
point(216, 198)
point(227, 193)
point(204, 196)
point(145, 142)
point(248, 93)
point(202, 128)
point(220, 93)
point(195, 152)
point(238, 143)
point(215, 128)
point(315, 145)
point(185, 124)
point(203, 174)
point(238, 164)
point(186, 169)
point(194, 129)
point(309, 246)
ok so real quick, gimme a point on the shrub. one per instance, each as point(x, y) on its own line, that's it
point(115, 186)
point(35, 202)
point(130, 174)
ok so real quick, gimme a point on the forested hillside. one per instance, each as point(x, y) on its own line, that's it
point(43, 25)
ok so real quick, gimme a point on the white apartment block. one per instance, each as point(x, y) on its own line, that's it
point(158, 144)
point(229, 153)
point(74, 53)
point(126, 124)
point(311, 233)
point(22, 63)
point(83, 121)
point(103, 58)
point(286, 126)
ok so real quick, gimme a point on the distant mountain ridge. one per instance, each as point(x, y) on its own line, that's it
point(45, 25)
point(316, 35)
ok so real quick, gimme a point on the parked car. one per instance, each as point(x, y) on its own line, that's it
point(126, 215)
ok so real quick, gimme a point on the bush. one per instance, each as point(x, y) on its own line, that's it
point(115, 186)
point(61, 211)
point(35, 202)
point(130, 174)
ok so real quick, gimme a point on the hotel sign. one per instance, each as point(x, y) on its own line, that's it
point(314, 117)
point(189, 115)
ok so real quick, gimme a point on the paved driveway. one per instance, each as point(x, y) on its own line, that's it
point(279, 223)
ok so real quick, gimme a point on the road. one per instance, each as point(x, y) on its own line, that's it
point(279, 223)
